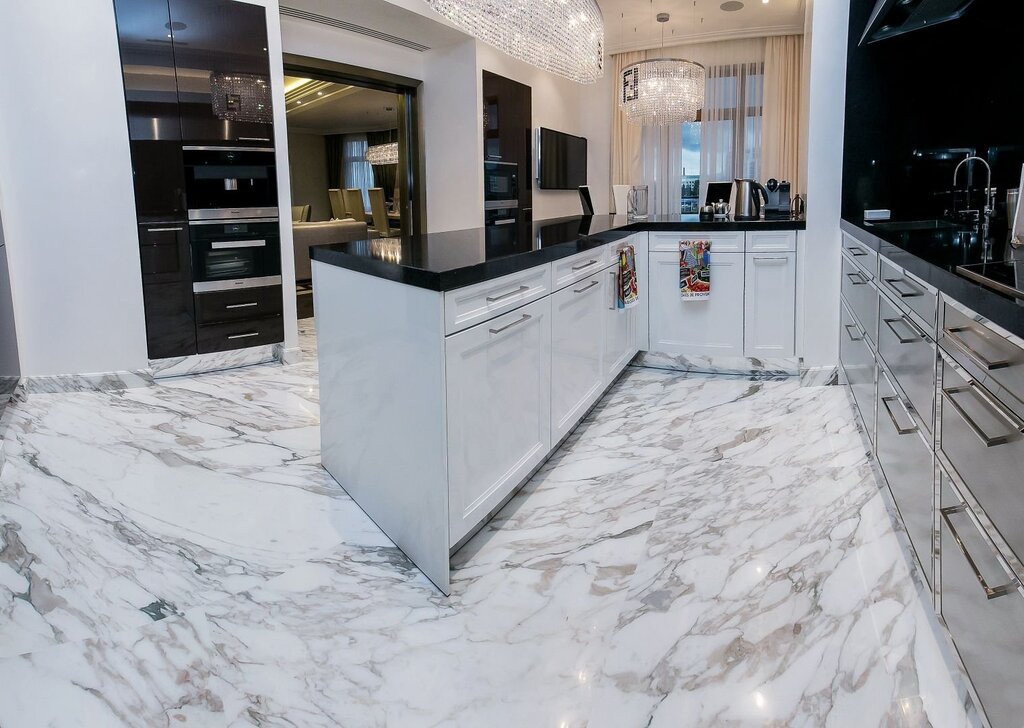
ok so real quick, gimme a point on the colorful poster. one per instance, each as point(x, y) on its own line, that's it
point(628, 293)
point(694, 269)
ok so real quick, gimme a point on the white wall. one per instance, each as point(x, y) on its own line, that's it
point(828, 39)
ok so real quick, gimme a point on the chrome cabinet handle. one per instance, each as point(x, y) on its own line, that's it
point(165, 230)
point(228, 244)
point(584, 265)
point(949, 394)
point(857, 252)
point(859, 276)
point(991, 592)
point(914, 290)
point(615, 294)
point(254, 139)
point(244, 336)
point(903, 320)
point(852, 337)
point(953, 334)
point(242, 305)
point(886, 402)
point(521, 289)
point(762, 259)
point(586, 288)
point(526, 317)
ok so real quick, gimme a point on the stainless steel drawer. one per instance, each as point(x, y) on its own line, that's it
point(910, 356)
point(996, 362)
point(908, 464)
point(864, 256)
point(982, 440)
point(909, 291)
point(862, 297)
point(858, 363)
point(983, 610)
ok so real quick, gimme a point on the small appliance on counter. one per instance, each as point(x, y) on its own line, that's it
point(749, 194)
point(778, 205)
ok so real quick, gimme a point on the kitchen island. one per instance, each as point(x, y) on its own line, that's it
point(452, 365)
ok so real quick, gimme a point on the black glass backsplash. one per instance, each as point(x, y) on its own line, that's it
point(919, 103)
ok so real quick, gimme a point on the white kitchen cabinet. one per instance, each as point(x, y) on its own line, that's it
point(577, 349)
point(498, 378)
point(620, 326)
point(698, 327)
point(770, 305)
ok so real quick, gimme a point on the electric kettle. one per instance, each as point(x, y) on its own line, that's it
point(749, 194)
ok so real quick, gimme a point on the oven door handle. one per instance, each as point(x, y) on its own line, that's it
point(228, 244)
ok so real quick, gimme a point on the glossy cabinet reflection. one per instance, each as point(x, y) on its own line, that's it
point(508, 130)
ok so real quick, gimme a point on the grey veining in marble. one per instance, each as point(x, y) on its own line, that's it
point(700, 551)
point(109, 382)
point(728, 365)
point(203, 363)
point(819, 377)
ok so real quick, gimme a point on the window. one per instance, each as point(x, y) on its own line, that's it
point(691, 168)
point(356, 171)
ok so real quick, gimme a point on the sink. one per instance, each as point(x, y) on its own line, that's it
point(912, 225)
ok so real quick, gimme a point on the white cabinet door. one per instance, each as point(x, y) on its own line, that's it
point(619, 328)
point(704, 327)
point(770, 329)
point(577, 373)
point(498, 379)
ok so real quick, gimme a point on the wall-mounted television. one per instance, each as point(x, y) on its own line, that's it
point(562, 163)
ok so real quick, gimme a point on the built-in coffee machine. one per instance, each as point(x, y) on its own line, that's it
point(779, 202)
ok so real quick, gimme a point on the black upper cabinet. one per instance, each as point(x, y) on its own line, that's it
point(508, 129)
point(223, 72)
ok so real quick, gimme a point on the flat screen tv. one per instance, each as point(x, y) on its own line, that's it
point(563, 161)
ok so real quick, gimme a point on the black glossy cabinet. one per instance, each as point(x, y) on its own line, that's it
point(508, 129)
point(223, 72)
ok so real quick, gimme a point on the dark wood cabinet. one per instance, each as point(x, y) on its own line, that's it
point(244, 304)
point(508, 129)
point(240, 334)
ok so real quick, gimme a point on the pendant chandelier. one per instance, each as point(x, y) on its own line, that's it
point(382, 153)
point(662, 91)
point(565, 37)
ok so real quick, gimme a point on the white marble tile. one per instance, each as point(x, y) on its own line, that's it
point(201, 363)
point(727, 365)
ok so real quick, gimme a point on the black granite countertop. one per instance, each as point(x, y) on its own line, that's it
point(445, 261)
point(933, 256)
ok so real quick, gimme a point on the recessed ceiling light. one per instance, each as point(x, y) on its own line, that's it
point(319, 93)
point(731, 6)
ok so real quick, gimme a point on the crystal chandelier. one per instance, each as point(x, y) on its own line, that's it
point(662, 91)
point(565, 37)
point(382, 153)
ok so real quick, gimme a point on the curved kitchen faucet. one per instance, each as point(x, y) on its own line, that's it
point(990, 194)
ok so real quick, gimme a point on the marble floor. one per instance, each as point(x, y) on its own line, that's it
point(701, 551)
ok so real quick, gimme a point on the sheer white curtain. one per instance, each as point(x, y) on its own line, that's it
point(356, 172)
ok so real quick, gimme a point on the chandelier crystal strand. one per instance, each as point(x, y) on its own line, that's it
point(662, 91)
point(383, 153)
point(564, 37)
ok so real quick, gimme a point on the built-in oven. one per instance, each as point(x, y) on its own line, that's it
point(231, 254)
point(225, 183)
point(501, 181)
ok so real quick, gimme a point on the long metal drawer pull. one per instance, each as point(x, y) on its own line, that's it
point(228, 244)
point(862, 279)
point(244, 336)
point(586, 288)
point(952, 333)
point(615, 294)
point(253, 139)
point(762, 259)
point(991, 592)
point(857, 252)
point(949, 394)
point(242, 305)
point(914, 290)
point(494, 299)
point(165, 230)
point(886, 401)
point(526, 317)
point(902, 320)
point(852, 337)
point(584, 265)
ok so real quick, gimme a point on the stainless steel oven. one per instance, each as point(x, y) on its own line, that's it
point(235, 254)
point(224, 183)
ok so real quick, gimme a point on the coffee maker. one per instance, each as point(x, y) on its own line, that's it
point(779, 203)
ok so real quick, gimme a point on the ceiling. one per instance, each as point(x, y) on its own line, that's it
point(331, 108)
point(630, 24)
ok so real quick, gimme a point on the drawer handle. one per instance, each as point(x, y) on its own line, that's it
point(243, 336)
point(949, 394)
point(887, 402)
point(584, 265)
point(615, 294)
point(165, 230)
point(852, 337)
point(991, 592)
point(903, 320)
point(526, 317)
point(586, 288)
point(241, 305)
point(494, 299)
point(861, 280)
point(254, 139)
point(857, 252)
point(914, 290)
point(953, 334)
point(759, 259)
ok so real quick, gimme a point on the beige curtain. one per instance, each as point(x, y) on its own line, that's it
point(626, 166)
point(781, 147)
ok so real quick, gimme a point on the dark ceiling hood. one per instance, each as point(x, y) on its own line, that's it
point(896, 17)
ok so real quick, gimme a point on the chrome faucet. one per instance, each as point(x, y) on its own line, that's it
point(990, 194)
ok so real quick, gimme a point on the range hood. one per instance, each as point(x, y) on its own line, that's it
point(896, 17)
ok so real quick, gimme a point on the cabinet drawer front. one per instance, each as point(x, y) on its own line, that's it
point(910, 292)
point(908, 464)
point(240, 305)
point(721, 242)
point(987, 626)
point(577, 319)
point(771, 241)
point(984, 443)
point(862, 296)
point(996, 362)
point(579, 266)
point(469, 306)
point(910, 354)
point(858, 362)
point(860, 253)
point(239, 334)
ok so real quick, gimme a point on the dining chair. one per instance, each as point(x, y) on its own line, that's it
point(338, 210)
point(379, 210)
point(354, 204)
point(620, 193)
point(301, 213)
